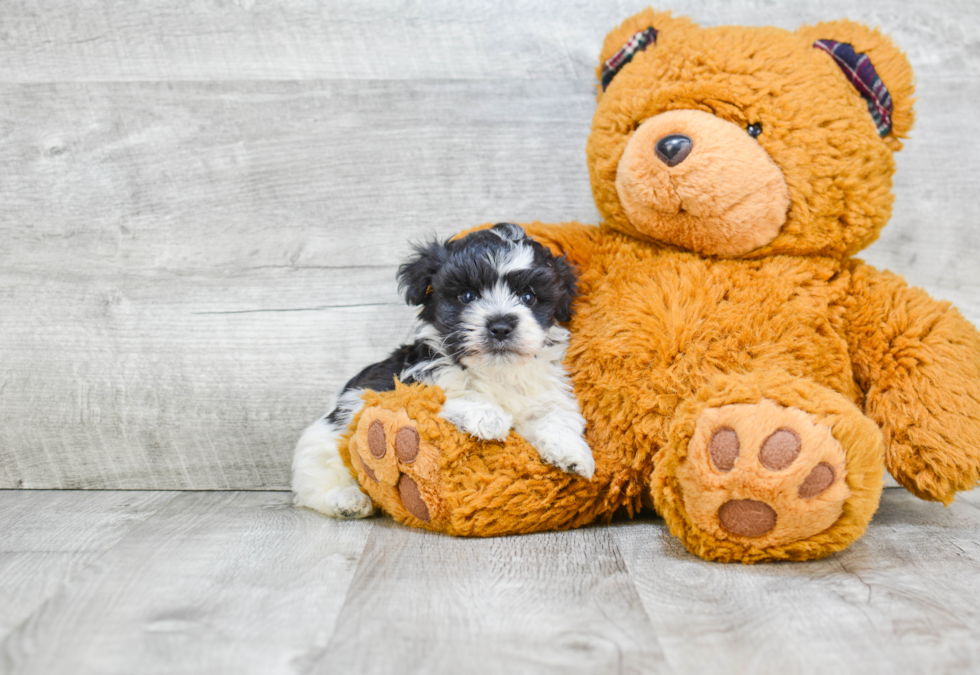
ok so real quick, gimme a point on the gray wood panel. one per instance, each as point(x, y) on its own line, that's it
point(229, 177)
point(178, 381)
point(239, 582)
point(192, 277)
point(550, 603)
point(226, 582)
point(58, 40)
point(972, 497)
point(47, 538)
point(904, 598)
point(205, 203)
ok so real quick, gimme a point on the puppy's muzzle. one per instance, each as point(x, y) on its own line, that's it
point(501, 327)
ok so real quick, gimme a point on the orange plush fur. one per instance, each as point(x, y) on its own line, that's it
point(740, 373)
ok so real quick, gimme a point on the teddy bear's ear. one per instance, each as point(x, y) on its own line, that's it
point(638, 33)
point(875, 67)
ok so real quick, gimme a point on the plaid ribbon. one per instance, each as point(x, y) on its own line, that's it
point(635, 44)
point(859, 70)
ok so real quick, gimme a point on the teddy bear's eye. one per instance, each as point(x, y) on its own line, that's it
point(754, 130)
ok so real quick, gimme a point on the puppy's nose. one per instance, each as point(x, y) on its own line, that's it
point(501, 327)
point(674, 149)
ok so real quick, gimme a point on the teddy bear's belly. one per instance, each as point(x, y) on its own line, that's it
point(650, 332)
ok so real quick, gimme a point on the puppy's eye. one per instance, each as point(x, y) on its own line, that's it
point(754, 130)
point(528, 298)
point(466, 297)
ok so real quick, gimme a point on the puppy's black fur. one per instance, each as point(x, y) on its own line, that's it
point(437, 276)
point(440, 273)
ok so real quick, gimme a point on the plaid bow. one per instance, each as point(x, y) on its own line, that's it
point(635, 44)
point(861, 73)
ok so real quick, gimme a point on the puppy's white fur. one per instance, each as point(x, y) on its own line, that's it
point(531, 394)
point(321, 480)
point(486, 399)
point(488, 393)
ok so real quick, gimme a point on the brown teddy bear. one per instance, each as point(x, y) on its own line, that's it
point(740, 372)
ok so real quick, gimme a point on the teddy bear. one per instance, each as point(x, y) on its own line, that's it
point(740, 372)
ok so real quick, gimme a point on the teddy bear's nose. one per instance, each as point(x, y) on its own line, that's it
point(674, 149)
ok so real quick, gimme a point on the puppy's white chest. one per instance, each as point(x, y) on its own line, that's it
point(520, 389)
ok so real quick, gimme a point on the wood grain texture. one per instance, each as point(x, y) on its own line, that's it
point(205, 203)
point(972, 497)
point(553, 603)
point(47, 538)
point(228, 177)
point(199, 277)
point(239, 582)
point(904, 598)
point(233, 582)
point(58, 40)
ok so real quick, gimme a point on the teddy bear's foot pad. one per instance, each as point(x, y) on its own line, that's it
point(763, 474)
point(395, 467)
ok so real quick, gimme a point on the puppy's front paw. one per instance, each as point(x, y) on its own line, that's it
point(488, 423)
point(347, 503)
point(484, 421)
point(570, 454)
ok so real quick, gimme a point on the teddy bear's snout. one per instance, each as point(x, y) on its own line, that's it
point(691, 179)
point(673, 149)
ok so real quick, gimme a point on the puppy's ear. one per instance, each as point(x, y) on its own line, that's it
point(415, 275)
point(509, 232)
point(569, 285)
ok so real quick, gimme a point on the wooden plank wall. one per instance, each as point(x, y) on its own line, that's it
point(204, 203)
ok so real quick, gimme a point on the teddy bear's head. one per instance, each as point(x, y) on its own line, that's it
point(738, 141)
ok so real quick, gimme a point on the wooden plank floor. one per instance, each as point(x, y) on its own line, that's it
point(240, 582)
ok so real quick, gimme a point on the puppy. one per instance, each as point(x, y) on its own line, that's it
point(487, 334)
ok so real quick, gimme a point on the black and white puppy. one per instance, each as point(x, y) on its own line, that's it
point(488, 335)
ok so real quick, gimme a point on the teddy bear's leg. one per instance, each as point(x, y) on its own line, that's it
point(768, 467)
point(420, 469)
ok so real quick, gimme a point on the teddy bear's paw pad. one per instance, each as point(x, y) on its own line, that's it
point(819, 479)
point(763, 474)
point(407, 444)
point(395, 466)
point(724, 448)
point(747, 517)
point(412, 499)
point(780, 450)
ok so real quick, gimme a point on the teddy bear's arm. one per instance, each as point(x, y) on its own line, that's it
point(918, 362)
point(573, 240)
